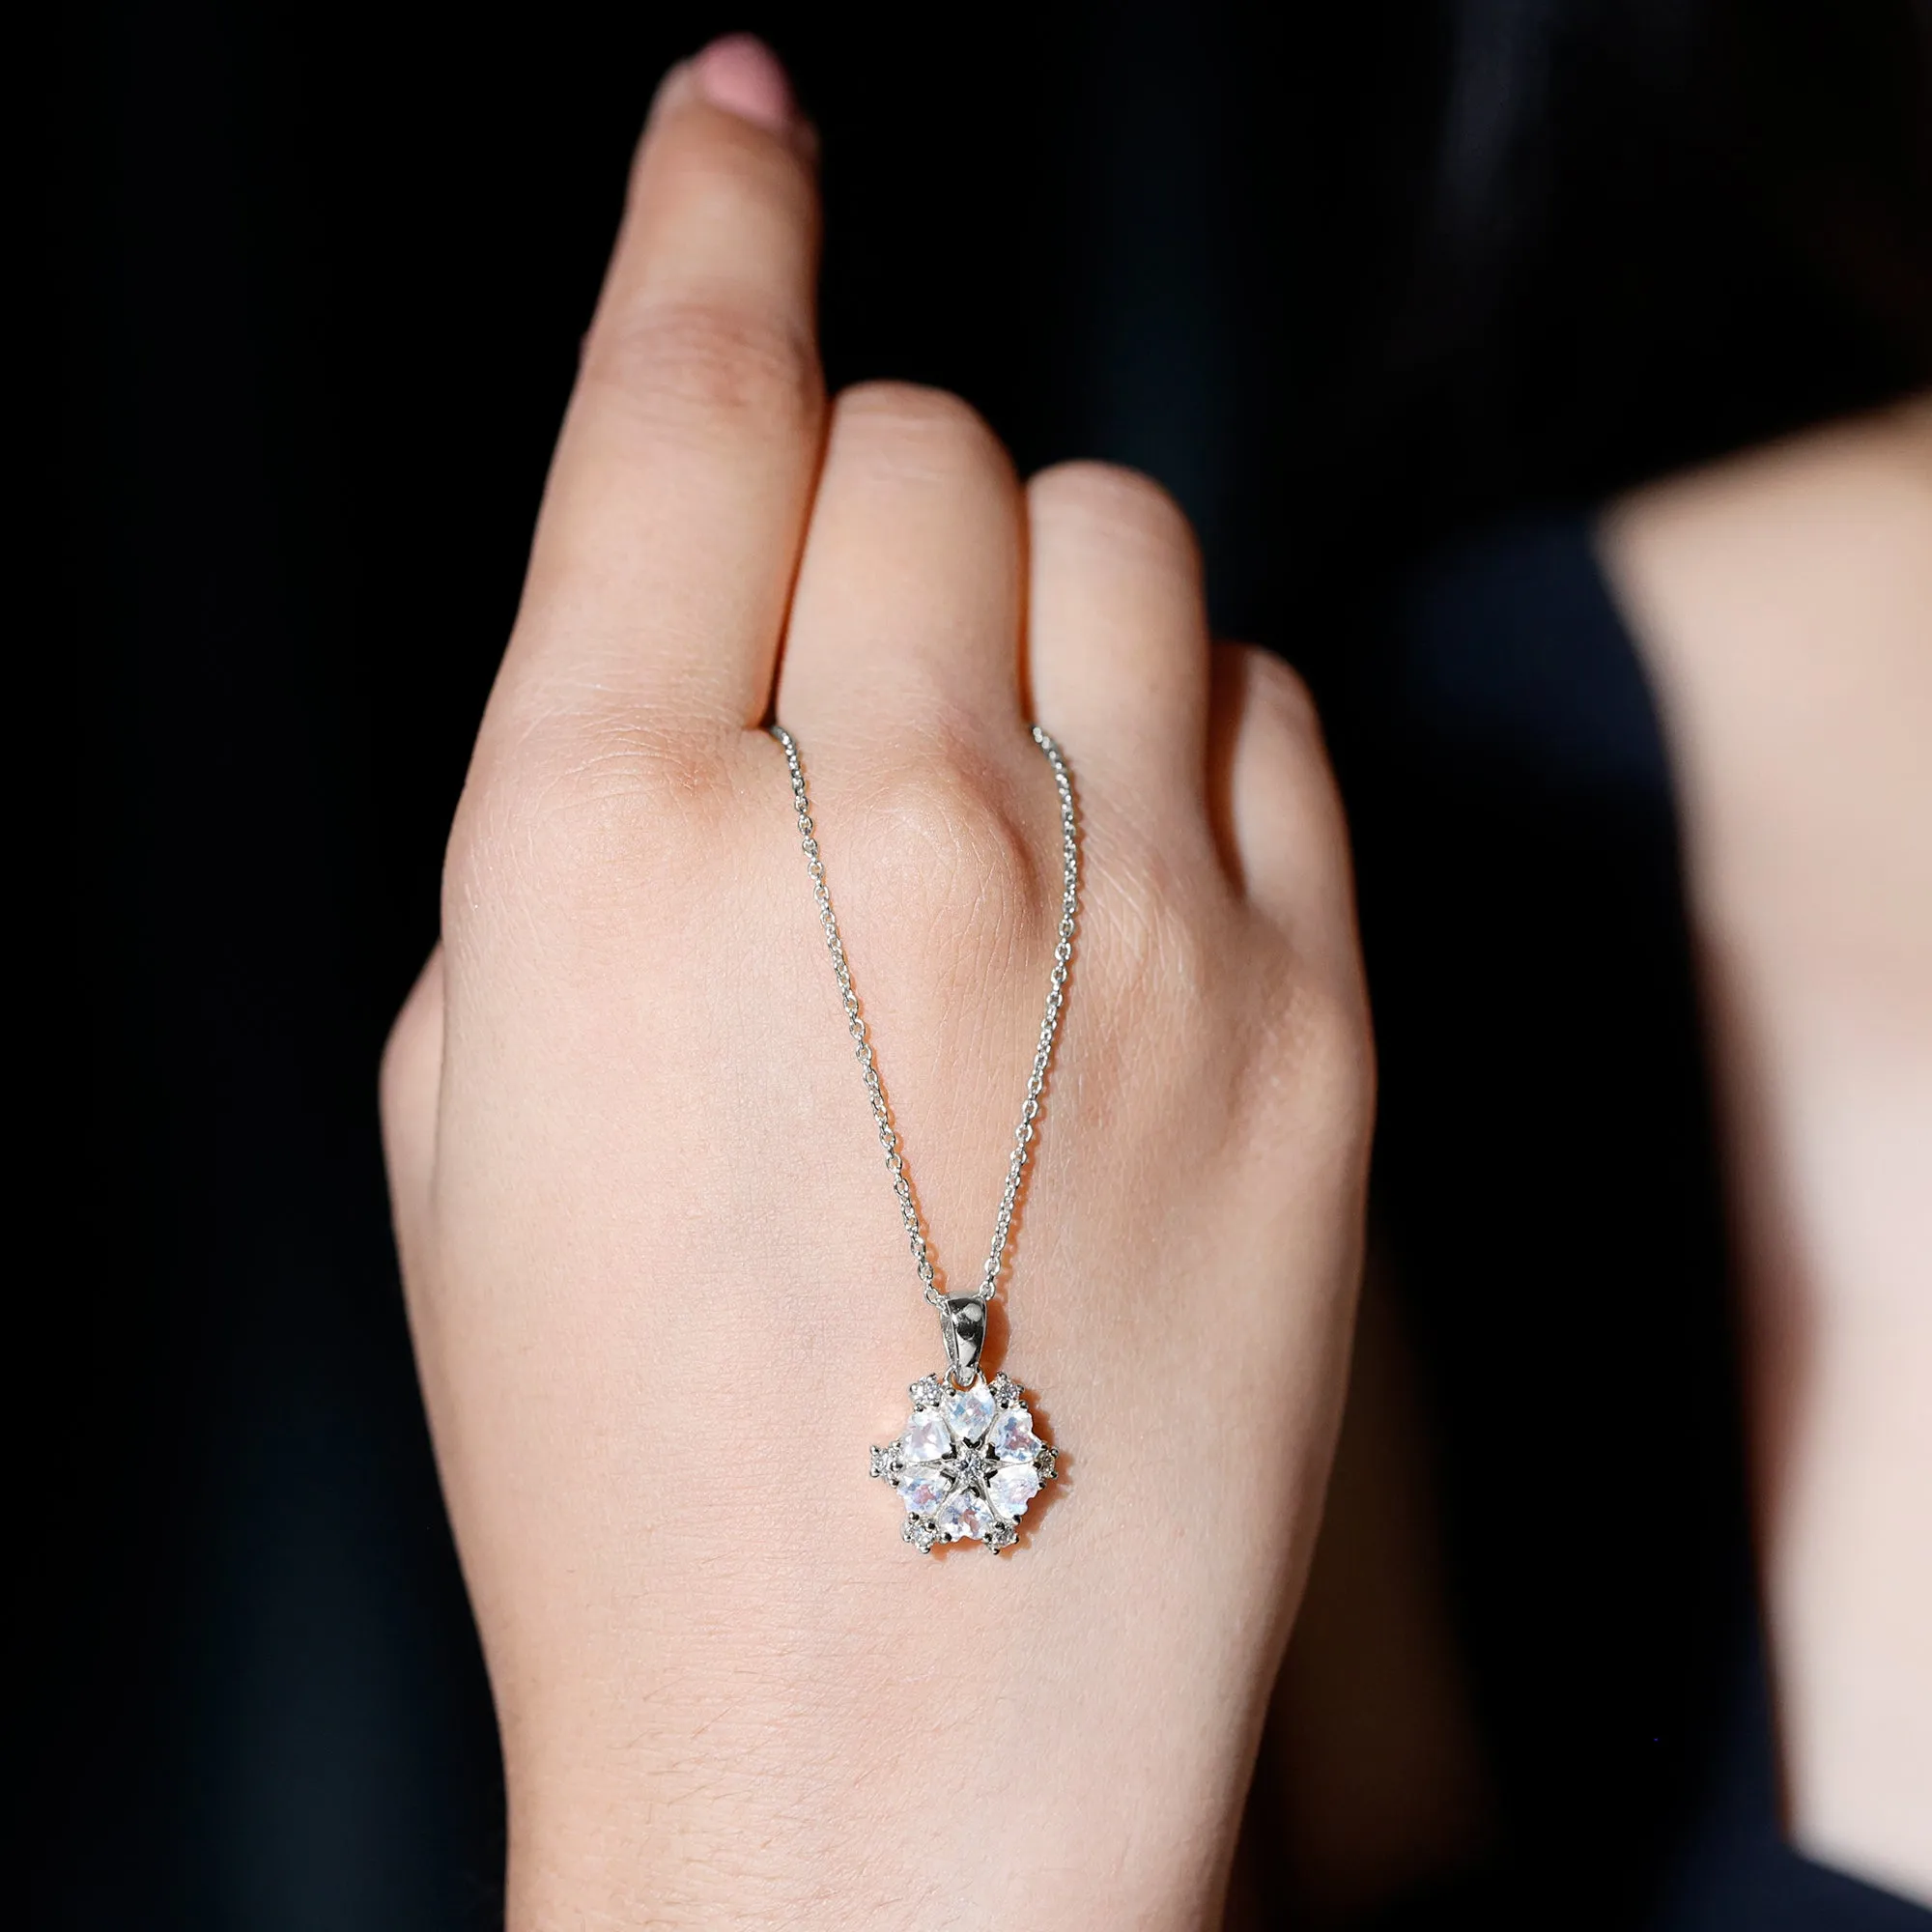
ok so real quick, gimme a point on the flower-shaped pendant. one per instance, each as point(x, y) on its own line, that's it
point(968, 1463)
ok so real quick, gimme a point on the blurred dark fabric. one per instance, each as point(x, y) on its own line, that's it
point(1356, 283)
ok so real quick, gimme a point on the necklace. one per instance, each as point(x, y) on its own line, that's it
point(968, 1461)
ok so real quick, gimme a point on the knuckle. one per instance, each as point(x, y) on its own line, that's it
point(1149, 952)
point(1306, 1055)
point(708, 363)
point(412, 1054)
point(568, 812)
point(908, 433)
point(1148, 970)
point(1117, 511)
point(948, 843)
point(1320, 1064)
point(1166, 971)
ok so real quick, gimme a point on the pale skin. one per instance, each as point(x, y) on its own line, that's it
point(1783, 604)
point(659, 1287)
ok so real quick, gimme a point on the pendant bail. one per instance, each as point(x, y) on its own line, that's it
point(962, 1320)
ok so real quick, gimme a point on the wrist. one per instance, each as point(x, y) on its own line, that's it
point(960, 1738)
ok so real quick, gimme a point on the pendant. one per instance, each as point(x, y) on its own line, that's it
point(968, 1463)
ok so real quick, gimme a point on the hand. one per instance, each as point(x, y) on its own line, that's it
point(660, 1291)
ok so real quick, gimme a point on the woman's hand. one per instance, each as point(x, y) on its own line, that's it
point(660, 1289)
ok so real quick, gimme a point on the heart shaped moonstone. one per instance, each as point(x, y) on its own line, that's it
point(927, 1438)
point(1012, 1439)
point(968, 1410)
point(923, 1491)
point(965, 1516)
point(1011, 1487)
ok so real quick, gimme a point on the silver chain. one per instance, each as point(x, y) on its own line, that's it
point(862, 1040)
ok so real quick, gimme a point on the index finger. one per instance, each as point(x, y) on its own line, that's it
point(676, 502)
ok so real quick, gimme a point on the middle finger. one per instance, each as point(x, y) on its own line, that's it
point(905, 624)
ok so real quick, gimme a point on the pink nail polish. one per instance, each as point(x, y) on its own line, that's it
point(742, 76)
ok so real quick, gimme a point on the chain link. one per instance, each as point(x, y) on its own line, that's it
point(862, 1040)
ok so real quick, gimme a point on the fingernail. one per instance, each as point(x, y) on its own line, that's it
point(742, 76)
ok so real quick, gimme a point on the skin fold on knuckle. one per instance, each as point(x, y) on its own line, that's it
point(578, 817)
point(1147, 938)
point(1162, 982)
point(1190, 1000)
point(948, 847)
point(1308, 1063)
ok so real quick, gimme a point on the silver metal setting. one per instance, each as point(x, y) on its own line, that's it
point(959, 1485)
point(962, 1320)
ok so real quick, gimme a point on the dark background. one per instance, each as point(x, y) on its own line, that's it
point(1358, 283)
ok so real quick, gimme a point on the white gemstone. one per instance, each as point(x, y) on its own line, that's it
point(1012, 1439)
point(1011, 1487)
point(968, 1411)
point(925, 1440)
point(923, 1491)
point(965, 1516)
